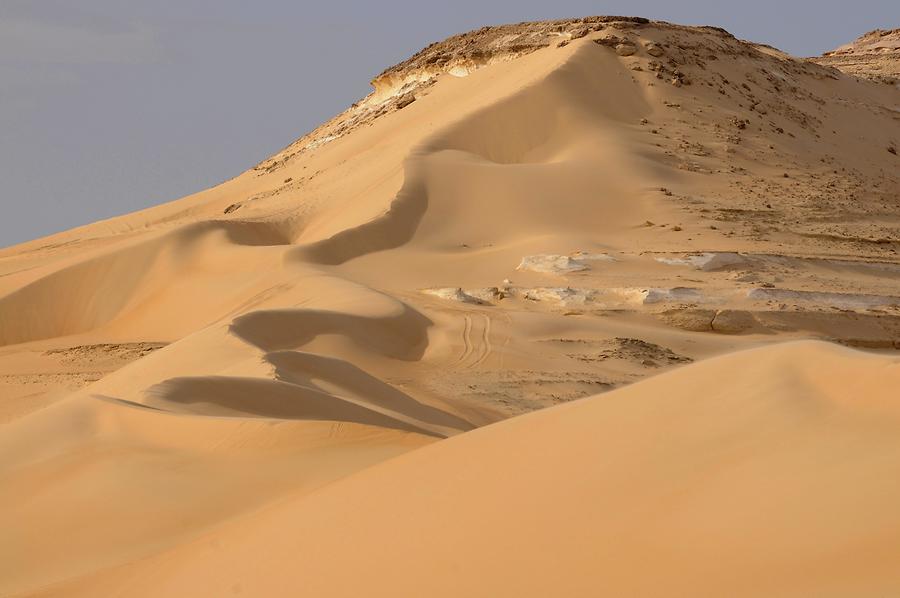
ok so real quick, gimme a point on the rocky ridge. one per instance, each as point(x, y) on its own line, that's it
point(874, 55)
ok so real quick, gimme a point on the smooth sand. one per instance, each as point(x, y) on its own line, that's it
point(770, 472)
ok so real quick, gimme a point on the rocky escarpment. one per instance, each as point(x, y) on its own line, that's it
point(398, 86)
point(875, 55)
point(463, 53)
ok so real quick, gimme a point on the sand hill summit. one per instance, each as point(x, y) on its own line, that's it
point(283, 384)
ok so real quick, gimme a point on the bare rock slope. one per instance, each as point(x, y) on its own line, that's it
point(874, 55)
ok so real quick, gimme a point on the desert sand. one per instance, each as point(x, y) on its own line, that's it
point(744, 475)
point(577, 307)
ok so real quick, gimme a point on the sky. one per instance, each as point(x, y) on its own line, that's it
point(109, 106)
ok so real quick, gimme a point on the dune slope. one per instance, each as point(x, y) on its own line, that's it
point(769, 472)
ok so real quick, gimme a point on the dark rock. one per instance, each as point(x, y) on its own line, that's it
point(405, 100)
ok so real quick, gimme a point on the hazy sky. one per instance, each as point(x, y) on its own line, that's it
point(107, 106)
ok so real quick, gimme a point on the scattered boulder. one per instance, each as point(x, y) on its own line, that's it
point(405, 100)
point(486, 294)
point(610, 40)
point(679, 79)
point(654, 50)
point(578, 32)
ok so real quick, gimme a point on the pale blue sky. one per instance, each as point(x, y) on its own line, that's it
point(108, 106)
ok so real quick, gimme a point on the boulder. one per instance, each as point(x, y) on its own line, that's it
point(551, 264)
point(405, 100)
point(654, 50)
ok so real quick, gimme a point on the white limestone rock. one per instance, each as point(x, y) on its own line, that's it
point(561, 264)
point(561, 295)
point(707, 262)
point(453, 294)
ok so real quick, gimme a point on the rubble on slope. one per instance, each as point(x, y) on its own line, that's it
point(875, 55)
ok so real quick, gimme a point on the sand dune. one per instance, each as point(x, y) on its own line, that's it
point(769, 472)
point(515, 218)
point(96, 483)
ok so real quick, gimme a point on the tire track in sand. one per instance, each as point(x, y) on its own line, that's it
point(486, 348)
point(467, 340)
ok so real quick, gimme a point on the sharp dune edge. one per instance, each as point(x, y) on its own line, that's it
point(327, 375)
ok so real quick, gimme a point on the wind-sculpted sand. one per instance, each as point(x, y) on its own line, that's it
point(313, 368)
point(769, 472)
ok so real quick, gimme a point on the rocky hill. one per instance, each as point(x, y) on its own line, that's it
point(875, 55)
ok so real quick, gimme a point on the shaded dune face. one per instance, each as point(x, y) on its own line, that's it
point(391, 230)
point(401, 336)
point(104, 287)
point(544, 120)
point(535, 144)
point(252, 397)
point(345, 379)
point(311, 386)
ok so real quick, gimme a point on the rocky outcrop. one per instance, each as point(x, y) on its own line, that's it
point(875, 55)
point(561, 264)
point(482, 45)
point(707, 262)
point(475, 296)
point(400, 85)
